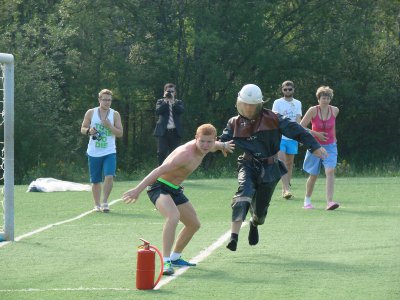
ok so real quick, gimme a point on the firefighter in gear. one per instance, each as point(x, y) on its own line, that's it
point(257, 131)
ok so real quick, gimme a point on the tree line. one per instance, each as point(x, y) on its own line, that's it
point(66, 51)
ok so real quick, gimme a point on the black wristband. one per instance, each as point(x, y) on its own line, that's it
point(87, 131)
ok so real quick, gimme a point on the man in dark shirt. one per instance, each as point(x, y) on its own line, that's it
point(168, 129)
point(258, 132)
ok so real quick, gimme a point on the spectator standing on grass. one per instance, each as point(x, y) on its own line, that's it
point(165, 192)
point(102, 124)
point(323, 128)
point(258, 132)
point(168, 128)
point(288, 107)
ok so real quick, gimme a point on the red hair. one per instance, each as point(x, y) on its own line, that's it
point(206, 129)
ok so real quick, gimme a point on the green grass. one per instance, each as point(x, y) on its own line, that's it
point(350, 253)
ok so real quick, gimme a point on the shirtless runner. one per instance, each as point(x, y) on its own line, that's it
point(164, 190)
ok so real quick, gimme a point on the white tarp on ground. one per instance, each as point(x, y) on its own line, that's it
point(55, 185)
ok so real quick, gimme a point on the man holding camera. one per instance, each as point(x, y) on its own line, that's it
point(168, 128)
point(102, 124)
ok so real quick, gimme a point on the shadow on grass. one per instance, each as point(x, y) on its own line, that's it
point(368, 213)
point(273, 263)
point(292, 264)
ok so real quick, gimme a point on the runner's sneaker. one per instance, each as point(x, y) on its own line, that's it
point(182, 263)
point(97, 208)
point(232, 245)
point(253, 234)
point(168, 269)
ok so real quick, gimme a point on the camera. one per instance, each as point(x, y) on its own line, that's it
point(96, 136)
point(169, 94)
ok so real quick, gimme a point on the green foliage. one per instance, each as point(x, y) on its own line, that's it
point(66, 51)
point(69, 171)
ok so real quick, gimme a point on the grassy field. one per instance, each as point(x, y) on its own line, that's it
point(350, 253)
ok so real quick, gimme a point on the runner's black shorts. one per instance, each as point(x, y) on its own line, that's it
point(157, 188)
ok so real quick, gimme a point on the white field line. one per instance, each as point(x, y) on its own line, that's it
point(200, 257)
point(66, 289)
point(2, 244)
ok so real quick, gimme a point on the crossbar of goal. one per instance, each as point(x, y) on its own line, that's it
point(7, 66)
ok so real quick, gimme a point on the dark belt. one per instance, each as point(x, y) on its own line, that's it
point(267, 160)
point(171, 129)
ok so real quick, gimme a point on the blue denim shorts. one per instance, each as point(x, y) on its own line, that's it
point(312, 163)
point(289, 146)
point(103, 165)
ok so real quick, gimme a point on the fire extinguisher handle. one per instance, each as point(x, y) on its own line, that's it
point(146, 243)
point(161, 264)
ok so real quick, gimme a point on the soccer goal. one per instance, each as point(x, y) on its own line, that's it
point(7, 146)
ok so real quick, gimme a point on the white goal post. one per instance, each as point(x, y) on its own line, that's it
point(7, 153)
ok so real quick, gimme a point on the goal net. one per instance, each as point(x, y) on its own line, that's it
point(7, 147)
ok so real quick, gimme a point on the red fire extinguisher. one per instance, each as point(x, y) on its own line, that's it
point(145, 267)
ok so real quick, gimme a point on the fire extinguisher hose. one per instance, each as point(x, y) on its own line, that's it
point(161, 265)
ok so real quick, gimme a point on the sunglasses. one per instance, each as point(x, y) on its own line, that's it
point(288, 90)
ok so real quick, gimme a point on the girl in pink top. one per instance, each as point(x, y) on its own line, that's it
point(326, 127)
point(323, 123)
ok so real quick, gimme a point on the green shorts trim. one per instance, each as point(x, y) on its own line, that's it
point(155, 190)
point(175, 187)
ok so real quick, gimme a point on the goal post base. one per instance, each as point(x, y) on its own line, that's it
point(2, 237)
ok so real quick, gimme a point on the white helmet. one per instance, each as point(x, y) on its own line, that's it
point(250, 94)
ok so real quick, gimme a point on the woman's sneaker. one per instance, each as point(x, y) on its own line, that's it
point(288, 195)
point(332, 205)
point(182, 263)
point(105, 208)
point(168, 269)
point(308, 206)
